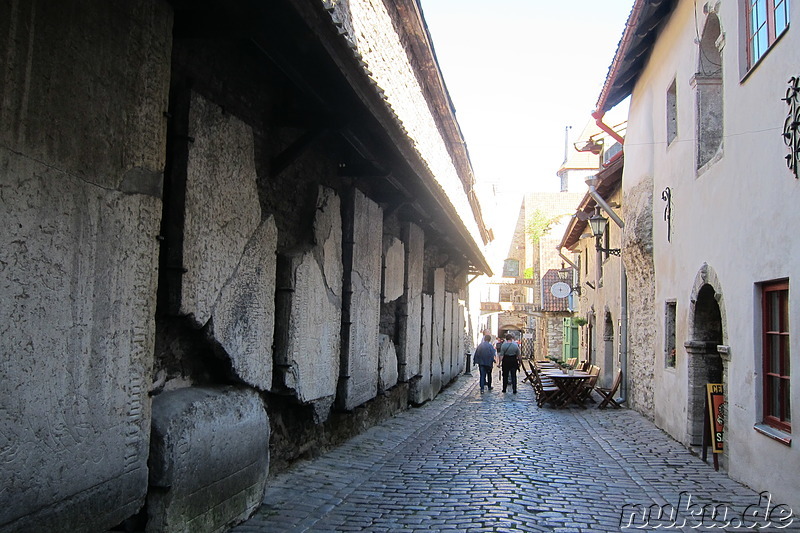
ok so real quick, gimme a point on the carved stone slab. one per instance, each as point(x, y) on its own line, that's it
point(410, 323)
point(420, 386)
point(393, 271)
point(222, 209)
point(243, 322)
point(437, 332)
point(309, 363)
point(78, 297)
point(387, 364)
point(362, 350)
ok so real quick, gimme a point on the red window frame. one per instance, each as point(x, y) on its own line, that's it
point(775, 355)
point(770, 9)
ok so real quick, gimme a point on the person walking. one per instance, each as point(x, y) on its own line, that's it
point(511, 358)
point(484, 358)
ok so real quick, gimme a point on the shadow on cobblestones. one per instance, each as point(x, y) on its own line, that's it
point(471, 461)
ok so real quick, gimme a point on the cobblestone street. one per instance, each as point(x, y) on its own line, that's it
point(472, 461)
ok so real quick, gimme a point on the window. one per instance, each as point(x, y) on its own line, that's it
point(766, 20)
point(511, 268)
point(669, 335)
point(775, 354)
point(672, 112)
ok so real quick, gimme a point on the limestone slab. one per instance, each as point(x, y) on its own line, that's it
point(410, 320)
point(420, 386)
point(437, 332)
point(308, 355)
point(387, 377)
point(243, 320)
point(78, 297)
point(209, 459)
point(222, 209)
point(393, 269)
point(361, 359)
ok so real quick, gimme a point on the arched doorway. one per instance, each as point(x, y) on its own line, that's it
point(704, 362)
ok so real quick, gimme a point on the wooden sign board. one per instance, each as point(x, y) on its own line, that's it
point(716, 415)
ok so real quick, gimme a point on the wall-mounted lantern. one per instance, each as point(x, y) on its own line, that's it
point(599, 224)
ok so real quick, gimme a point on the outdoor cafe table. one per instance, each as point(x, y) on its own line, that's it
point(569, 384)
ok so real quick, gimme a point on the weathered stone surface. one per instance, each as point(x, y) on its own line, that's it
point(308, 352)
point(102, 122)
point(437, 332)
point(642, 322)
point(78, 297)
point(222, 210)
point(387, 363)
point(447, 342)
point(410, 320)
point(420, 387)
point(80, 185)
point(209, 458)
point(361, 359)
point(243, 322)
point(393, 269)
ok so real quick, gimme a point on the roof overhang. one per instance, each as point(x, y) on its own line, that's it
point(645, 22)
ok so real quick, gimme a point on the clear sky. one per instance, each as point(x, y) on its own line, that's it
point(519, 72)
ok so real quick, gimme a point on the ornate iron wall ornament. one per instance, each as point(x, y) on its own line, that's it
point(791, 128)
point(666, 195)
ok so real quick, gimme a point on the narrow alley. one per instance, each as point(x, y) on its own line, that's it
point(472, 461)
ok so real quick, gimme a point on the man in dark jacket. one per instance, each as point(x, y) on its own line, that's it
point(484, 358)
point(511, 357)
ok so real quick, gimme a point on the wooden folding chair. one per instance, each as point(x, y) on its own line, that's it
point(608, 394)
point(589, 386)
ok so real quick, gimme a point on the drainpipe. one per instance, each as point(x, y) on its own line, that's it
point(598, 119)
point(623, 292)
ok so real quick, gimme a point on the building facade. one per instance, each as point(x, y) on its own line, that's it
point(711, 127)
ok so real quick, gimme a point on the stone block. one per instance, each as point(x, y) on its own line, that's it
point(410, 321)
point(209, 459)
point(387, 364)
point(361, 357)
point(222, 209)
point(420, 386)
point(78, 297)
point(307, 354)
point(393, 269)
point(243, 321)
point(437, 332)
point(447, 341)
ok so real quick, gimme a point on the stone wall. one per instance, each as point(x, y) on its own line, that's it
point(176, 235)
point(642, 324)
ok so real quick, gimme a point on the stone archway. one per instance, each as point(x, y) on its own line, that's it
point(706, 335)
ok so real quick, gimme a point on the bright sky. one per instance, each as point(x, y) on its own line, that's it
point(519, 72)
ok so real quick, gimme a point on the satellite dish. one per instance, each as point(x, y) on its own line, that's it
point(560, 289)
